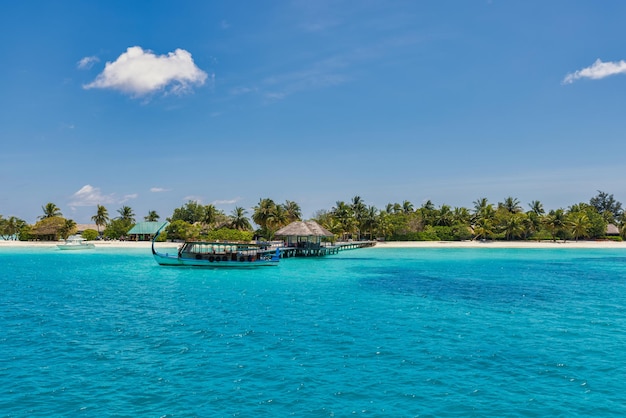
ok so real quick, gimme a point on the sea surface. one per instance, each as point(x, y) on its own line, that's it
point(371, 332)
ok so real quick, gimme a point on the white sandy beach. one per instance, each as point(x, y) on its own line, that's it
point(393, 244)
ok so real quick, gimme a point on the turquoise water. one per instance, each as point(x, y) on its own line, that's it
point(370, 332)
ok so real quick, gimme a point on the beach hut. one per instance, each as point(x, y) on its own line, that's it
point(144, 231)
point(304, 234)
point(612, 230)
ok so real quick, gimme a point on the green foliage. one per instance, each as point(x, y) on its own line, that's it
point(191, 212)
point(182, 230)
point(10, 228)
point(117, 228)
point(90, 234)
point(227, 234)
point(49, 229)
point(606, 205)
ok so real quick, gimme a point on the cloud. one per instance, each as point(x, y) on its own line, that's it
point(92, 196)
point(597, 71)
point(139, 73)
point(87, 62)
point(226, 201)
point(158, 190)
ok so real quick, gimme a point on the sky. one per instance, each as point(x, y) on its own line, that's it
point(154, 104)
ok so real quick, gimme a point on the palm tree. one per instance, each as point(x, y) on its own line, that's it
point(101, 217)
point(555, 222)
point(480, 205)
point(358, 211)
point(370, 220)
point(264, 212)
point(407, 207)
point(344, 215)
point(211, 215)
point(68, 228)
point(126, 214)
point(50, 210)
point(511, 204)
point(579, 224)
point(293, 212)
point(152, 216)
point(239, 220)
point(536, 207)
point(461, 215)
point(513, 225)
point(445, 216)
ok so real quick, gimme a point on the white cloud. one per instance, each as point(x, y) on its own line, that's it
point(226, 201)
point(158, 190)
point(92, 196)
point(140, 72)
point(87, 62)
point(597, 71)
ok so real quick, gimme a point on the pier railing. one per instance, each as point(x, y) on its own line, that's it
point(306, 249)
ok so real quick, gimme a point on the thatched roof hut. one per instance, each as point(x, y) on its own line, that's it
point(612, 229)
point(304, 229)
point(309, 232)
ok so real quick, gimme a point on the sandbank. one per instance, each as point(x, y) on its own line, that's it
point(389, 244)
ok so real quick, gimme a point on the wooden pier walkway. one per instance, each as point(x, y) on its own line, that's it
point(312, 250)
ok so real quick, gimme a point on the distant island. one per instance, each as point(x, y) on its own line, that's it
point(600, 218)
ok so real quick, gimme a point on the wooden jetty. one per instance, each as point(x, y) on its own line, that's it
point(314, 250)
point(310, 239)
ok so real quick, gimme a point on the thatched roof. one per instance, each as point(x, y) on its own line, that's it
point(83, 227)
point(611, 229)
point(304, 229)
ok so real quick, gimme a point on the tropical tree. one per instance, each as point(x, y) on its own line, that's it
point(556, 222)
point(512, 224)
point(358, 211)
point(343, 213)
point(68, 228)
point(579, 224)
point(370, 220)
point(536, 207)
point(10, 228)
point(211, 216)
point(511, 204)
point(407, 207)
point(239, 220)
point(445, 216)
point(152, 216)
point(191, 212)
point(269, 216)
point(607, 206)
point(292, 211)
point(480, 206)
point(50, 210)
point(484, 228)
point(126, 214)
point(101, 217)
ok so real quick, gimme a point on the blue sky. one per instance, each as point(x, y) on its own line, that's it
point(152, 104)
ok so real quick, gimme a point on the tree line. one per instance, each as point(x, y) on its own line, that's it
point(506, 220)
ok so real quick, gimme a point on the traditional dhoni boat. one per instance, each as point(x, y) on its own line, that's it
point(217, 254)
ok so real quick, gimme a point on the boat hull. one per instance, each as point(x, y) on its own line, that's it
point(76, 247)
point(172, 260)
point(217, 255)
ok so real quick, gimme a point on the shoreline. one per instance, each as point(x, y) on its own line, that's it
point(390, 244)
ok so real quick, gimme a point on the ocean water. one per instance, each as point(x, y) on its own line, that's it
point(369, 332)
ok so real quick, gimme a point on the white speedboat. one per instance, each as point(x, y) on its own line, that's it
point(76, 242)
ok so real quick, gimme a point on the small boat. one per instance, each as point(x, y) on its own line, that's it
point(218, 254)
point(76, 242)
